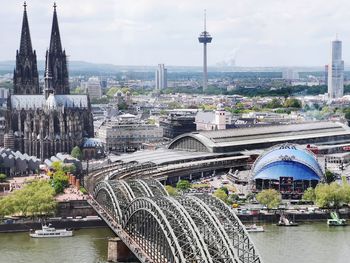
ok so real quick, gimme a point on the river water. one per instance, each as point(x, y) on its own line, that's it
point(307, 243)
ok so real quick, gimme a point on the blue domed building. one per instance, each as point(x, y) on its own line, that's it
point(288, 168)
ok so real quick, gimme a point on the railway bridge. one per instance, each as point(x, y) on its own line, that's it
point(158, 228)
point(169, 173)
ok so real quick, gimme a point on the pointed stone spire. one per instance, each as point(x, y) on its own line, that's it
point(26, 77)
point(55, 41)
point(26, 42)
point(58, 60)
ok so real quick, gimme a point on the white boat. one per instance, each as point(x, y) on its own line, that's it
point(284, 221)
point(254, 228)
point(49, 231)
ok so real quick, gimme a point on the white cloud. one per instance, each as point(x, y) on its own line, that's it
point(146, 32)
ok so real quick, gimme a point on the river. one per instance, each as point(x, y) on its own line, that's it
point(307, 243)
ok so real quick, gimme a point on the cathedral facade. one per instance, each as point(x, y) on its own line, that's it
point(44, 121)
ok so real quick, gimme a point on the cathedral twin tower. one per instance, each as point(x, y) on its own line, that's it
point(26, 79)
point(43, 122)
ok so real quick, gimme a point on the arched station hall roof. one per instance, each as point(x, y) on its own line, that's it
point(240, 139)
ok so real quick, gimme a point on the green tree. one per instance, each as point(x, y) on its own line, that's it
point(240, 106)
point(224, 188)
point(57, 166)
point(345, 191)
point(346, 112)
point(69, 168)
point(2, 177)
point(269, 197)
point(219, 193)
point(151, 121)
point(35, 198)
point(309, 195)
point(76, 153)
point(171, 190)
point(207, 107)
point(110, 93)
point(183, 185)
point(329, 177)
point(58, 186)
point(332, 195)
point(292, 103)
point(274, 104)
point(232, 198)
point(59, 181)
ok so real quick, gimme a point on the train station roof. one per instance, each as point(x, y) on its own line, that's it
point(162, 156)
point(240, 139)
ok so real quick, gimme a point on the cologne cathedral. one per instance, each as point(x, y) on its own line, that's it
point(44, 121)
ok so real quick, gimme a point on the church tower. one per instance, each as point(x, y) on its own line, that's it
point(25, 75)
point(56, 60)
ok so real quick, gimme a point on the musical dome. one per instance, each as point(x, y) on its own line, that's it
point(287, 160)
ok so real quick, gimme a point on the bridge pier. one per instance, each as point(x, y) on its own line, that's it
point(118, 251)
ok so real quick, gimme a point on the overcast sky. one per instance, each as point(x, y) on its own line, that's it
point(148, 32)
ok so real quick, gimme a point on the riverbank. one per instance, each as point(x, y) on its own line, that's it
point(69, 214)
point(73, 213)
point(295, 217)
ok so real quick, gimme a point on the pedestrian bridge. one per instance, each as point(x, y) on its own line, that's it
point(158, 228)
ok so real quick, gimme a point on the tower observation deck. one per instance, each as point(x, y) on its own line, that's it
point(205, 38)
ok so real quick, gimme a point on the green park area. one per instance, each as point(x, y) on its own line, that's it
point(37, 197)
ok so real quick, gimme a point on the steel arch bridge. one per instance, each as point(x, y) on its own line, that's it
point(162, 229)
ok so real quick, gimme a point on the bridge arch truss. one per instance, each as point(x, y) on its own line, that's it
point(184, 229)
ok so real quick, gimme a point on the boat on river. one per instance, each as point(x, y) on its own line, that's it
point(49, 231)
point(254, 228)
point(284, 221)
point(335, 220)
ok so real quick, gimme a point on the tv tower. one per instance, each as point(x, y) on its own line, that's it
point(205, 38)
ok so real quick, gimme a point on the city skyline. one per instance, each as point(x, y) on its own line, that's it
point(271, 34)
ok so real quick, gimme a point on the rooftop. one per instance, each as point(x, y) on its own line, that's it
point(287, 160)
point(240, 139)
point(161, 156)
point(53, 101)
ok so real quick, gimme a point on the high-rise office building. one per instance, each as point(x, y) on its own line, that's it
point(336, 71)
point(161, 77)
point(93, 88)
point(290, 74)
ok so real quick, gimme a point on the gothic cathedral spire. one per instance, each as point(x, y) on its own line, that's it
point(26, 78)
point(55, 41)
point(56, 60)
point(26, 42)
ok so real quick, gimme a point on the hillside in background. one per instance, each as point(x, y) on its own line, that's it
point(76, 67)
